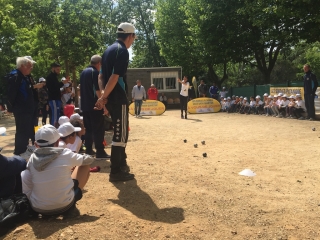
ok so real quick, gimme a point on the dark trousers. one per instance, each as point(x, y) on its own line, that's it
point(137, 107)
point(94, 123)
point(183, 104)
point(309, 100)
point(44, 114)
point(120, 121)
point(24, 131)
point(298, 112)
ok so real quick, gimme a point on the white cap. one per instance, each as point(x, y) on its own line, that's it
point(228, 98)
point(224, 99)
point(258, 96)
point(298, 95)
point(47, 135)
point(275, 96)
point(245, 98)
point(270, 96)
point(237, 96)
point(42, 79)
point(241, 97)
point(75, 116)
point(62, 79)
point(284, 96)
point(30, 58)
point(63, 119)
point(265, 95)
point(223, 88)
point(67, 128)
point(291, 96)
point(280, 94)
point(126, 28)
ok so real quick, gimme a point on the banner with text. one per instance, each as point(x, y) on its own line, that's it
point(287, 90)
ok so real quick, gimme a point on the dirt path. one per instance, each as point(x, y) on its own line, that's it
point(178, 194)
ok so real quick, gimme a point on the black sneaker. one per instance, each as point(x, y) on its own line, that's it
point(120, 177)
point(90, 152)
point(101, 156)
point(182, 116)
point(186, 117)
point(125, 169)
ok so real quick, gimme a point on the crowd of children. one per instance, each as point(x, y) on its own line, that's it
point(280, 105)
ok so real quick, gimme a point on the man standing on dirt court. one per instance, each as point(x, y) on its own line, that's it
point(114, 67)
point(310, 88)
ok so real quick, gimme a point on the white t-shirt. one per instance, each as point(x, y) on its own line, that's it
point(284, 103)
point(252, 103)
point(75, 147)
point(301, 104)
point(184, 89)
point(51, 188)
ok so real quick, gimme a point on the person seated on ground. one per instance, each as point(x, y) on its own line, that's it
point(233, 99)
point(290, 107)
point(252, 105)
point(276, 104)
point(258, 106)
point(239, 105)
point(299, 108)
point(244, 106)
point(76, 116)
point(63, 119)
point(48, 182)
point(67, 134)
point(75, 147)
point(234, 105)
point(265, 97)
point(163, 99)
point(10, 178)
point(267, 106)
point(282, 107)
point(223, 105)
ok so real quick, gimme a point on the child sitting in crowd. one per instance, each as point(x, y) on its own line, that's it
point(48, 182)
point(259, 105)
point(299, 108)
point(267, 106)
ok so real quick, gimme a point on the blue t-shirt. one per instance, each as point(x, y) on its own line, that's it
point(115, 61)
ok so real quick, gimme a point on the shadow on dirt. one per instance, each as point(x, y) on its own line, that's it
point(138, 202)
point(44, 227)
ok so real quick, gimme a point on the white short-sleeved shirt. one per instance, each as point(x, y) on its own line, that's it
point(184, 89)
point(252, 103)
point(301, 104)
point(75, 147)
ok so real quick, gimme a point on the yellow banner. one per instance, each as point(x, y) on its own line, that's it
point(149, 108)
point(287, 90)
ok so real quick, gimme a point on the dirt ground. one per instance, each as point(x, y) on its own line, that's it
point(179, 194)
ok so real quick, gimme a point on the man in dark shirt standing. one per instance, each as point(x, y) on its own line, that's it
point(114, 67)
point(93, 119)
point(21, 103)
point(310, 88)
point(54, 94)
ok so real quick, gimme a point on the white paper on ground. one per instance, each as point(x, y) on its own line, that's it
point(247, 172)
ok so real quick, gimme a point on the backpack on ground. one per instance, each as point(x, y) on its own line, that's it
point(13, 209)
